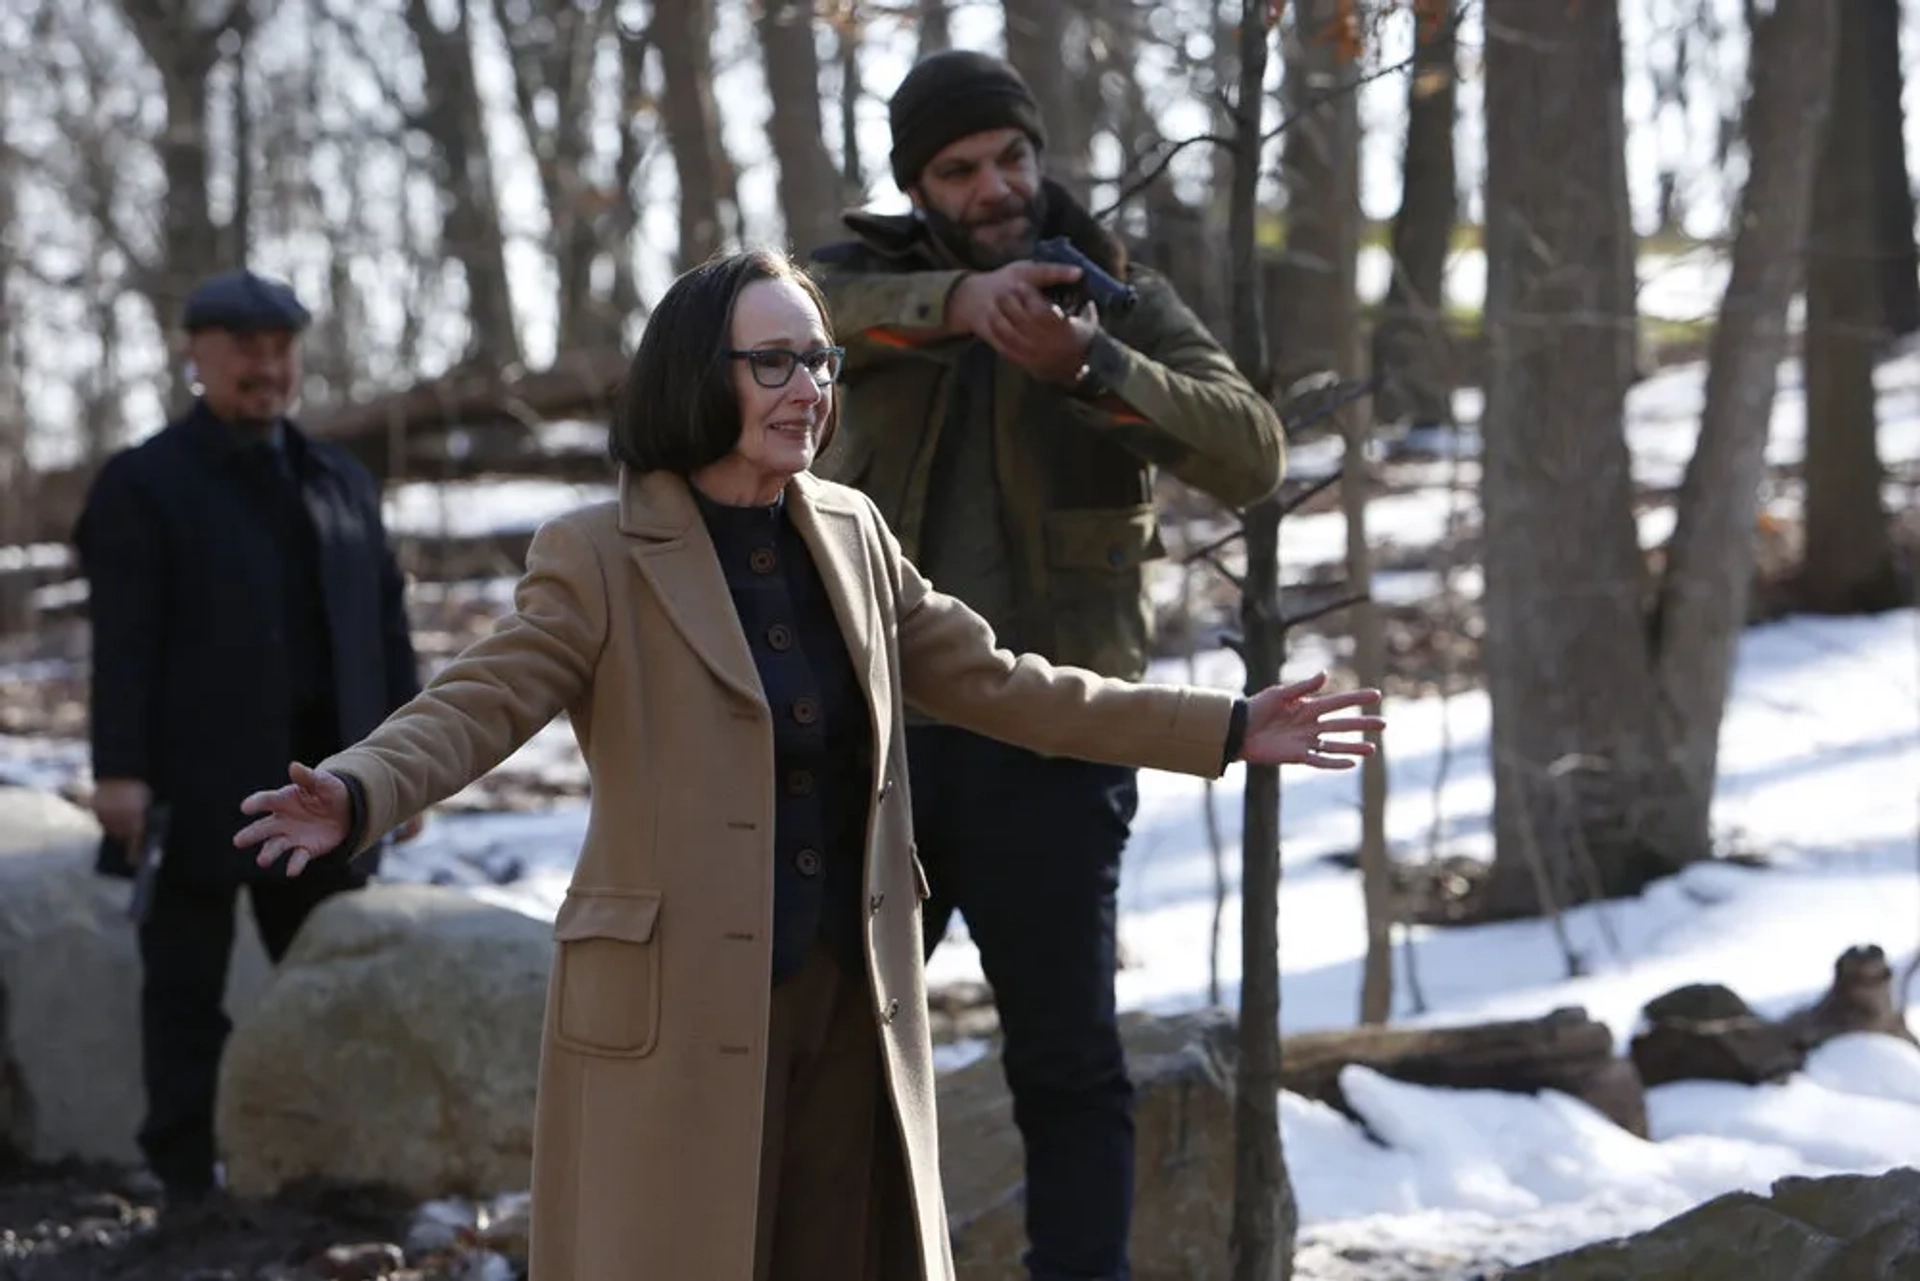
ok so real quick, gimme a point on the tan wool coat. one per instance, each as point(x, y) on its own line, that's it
point(648, 1126)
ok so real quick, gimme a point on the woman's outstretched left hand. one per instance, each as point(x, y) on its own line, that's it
point(1286, 725)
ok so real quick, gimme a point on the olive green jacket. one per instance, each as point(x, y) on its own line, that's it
point(1075, 467)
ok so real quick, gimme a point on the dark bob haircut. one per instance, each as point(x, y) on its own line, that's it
point(678, 411)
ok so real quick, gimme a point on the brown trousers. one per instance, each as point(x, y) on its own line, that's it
point(829, 1162)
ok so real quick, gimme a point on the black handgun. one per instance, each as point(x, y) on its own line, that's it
point(1112, 297)
point(153, 845)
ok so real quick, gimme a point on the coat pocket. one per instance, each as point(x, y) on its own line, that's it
point(607, 972)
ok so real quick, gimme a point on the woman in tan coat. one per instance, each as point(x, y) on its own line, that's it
point(736, 1081)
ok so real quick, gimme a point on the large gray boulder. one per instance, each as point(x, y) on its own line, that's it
point(1843, 1228)
point(399, 1046)
point(69, 988)
point(1182, 1071)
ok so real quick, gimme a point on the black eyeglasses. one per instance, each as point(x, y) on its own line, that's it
point(773, 366)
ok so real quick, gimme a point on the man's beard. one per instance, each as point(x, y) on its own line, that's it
point(959, 239)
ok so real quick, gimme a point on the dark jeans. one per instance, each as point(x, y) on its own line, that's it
point(186, 944)
point(1028, 849)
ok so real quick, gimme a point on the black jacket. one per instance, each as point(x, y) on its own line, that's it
point(198, 566)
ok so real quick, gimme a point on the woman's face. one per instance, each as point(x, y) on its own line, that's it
point(778, 335)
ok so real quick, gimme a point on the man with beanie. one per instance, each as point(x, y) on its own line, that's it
point(1012, 447)
point(246, 612)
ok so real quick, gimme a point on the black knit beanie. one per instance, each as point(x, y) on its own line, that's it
point(949, 95)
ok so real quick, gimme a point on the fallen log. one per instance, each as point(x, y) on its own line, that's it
point(1565, 1051)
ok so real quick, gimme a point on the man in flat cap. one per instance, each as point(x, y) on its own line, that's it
point(1013, 449)
point(246, 612)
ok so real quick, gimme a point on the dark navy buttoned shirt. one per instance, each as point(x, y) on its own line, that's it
point(822, 735)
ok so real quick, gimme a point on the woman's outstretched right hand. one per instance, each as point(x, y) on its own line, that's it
point(304, 820)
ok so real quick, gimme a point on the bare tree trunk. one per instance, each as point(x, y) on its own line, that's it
point(1703, 593)
point(240, 225)
point(1410, 341)
point(809, 183)
point(1040, 35)
point(853, 174)
point(553, 46)
point(190, 241)
point(1314, 324)
point(622, 214)
point(16, 477)
point(1849, 563)
point(1370, 670)
point(470, 214)
point(936, 26)
point(1567, 654)
point(683, 33)
point(1265, 1215)
point(1885, 124)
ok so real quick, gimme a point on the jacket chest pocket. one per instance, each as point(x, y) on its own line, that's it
point(607, 973)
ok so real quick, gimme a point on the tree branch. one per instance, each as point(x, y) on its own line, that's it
point(1290, 621)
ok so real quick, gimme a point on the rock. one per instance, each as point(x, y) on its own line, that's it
point(1698, 1003)
point(441, 1225)
point(1843, 1228)
point(69, 988)
point(1860, 999)
point(505, 1227)
point(1183, 1188)
point(397, 1048)
point(1704, 1032)
point(368, 1262)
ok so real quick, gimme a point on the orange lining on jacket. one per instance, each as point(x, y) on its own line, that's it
point(890, 337)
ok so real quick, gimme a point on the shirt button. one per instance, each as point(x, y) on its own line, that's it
point(887, 1015)
point(873, 904)
point(806, 710)
point(807, 862)
point(762, 560)
point(780, 637)
point(800, 783)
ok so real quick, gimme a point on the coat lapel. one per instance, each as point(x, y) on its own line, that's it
point(676, 558)
point(833, 533)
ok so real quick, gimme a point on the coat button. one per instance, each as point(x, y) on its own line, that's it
point(873, 904)
point(762, 561)
point(887, 1015)
point(780, 637)
point(806, 710)
point(807, 862)
point(800, 783)
point(886, 789)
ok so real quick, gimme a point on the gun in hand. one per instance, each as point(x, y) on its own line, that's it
point(153, 845)
point(1112, 297)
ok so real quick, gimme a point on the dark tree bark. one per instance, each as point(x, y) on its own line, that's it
point(809, 182)
point(936, 26)
point(1041, 45)
point(1314, 308)
point(1266, 1216)
point(683, 33)
point(1602, 718)
point(1702, 604)
point(553, 46)
point(1899, 274)
point(1849, 563)
point(451, 118)
point(16, 477)
point(1411, 349)
point(191, 242)
point(853, 174)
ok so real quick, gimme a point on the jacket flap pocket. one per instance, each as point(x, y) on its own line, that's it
point(1111, 538)
point(628, 916)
